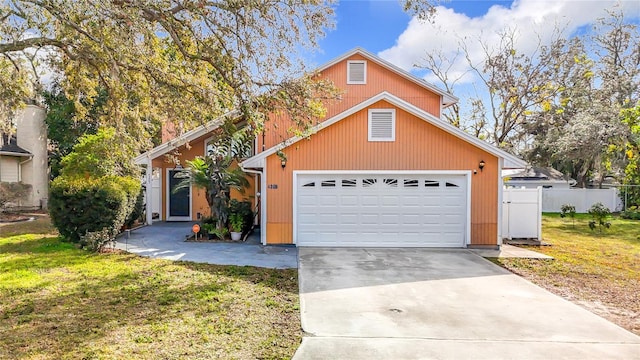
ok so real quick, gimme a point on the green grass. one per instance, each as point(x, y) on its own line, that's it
point(597, 267)
point(60, 302)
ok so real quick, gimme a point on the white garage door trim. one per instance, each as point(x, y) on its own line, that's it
point(465, 173)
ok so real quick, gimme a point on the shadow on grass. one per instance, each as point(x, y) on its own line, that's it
point(85, 305)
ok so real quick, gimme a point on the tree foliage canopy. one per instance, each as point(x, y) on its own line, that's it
point(183, 61)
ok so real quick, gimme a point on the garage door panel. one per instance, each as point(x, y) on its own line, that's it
point(381, 210)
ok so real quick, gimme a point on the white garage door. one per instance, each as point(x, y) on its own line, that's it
point(386, 210)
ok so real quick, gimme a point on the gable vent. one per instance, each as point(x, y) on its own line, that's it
point(382, 125)
point(356, 72)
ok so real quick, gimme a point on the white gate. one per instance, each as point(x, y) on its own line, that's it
point(522, 213)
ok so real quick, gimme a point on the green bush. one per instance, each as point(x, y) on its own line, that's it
point(599, 213)
point(81, 206)
point(243, 209)
point(632, 213)
point(138, 210)
point(568, 210)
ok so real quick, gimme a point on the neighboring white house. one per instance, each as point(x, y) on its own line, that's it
point(24, 156)
point(532, 177)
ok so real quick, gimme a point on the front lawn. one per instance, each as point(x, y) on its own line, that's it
point(59, 302)
point(600, 271)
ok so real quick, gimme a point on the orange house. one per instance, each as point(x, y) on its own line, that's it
point(381, 170)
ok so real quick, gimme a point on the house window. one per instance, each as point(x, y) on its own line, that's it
point(356, 72)
point(382, 125)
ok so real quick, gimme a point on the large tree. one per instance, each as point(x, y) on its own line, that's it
point(185, 61)
point(190, 60)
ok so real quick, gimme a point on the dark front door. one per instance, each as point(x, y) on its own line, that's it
point(178, 200)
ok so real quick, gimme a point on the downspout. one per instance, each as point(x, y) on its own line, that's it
point(20, 167)
point(149, 191)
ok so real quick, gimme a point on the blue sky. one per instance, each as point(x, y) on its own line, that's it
point(375, 25)
point(382, 28)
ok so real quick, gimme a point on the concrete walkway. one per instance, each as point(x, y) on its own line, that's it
point(166, 240)
point(510, 251)
point(440, 304)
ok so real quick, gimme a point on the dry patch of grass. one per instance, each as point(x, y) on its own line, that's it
point(59, 302)
point(600, 271)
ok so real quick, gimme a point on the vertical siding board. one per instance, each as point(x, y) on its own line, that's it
point(418, 146)
point(379, 79)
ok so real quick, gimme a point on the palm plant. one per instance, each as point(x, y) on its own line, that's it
point(216, 173)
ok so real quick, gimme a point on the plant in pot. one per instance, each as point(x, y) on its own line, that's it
point(236, 222)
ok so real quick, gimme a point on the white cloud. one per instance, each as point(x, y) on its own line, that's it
point(533, 19)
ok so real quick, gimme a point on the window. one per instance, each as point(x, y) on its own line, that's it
point(310, 184)
point(410, 183)
point(369, 182)
point(391, 182)
point(356, 72)
point(431, 183)
point(328, 183)
point(382, 125)
point(349, 183)
point(451, 185)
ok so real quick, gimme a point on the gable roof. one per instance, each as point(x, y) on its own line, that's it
point(539, 173)
point(9, 146)
point(190, 135)
point(447, 98)
point(510, 161)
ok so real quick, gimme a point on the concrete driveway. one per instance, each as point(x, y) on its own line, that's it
point(440, 304)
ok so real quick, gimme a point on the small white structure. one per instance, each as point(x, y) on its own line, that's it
point(532, 177)
point(522, 213)
point(24, 157)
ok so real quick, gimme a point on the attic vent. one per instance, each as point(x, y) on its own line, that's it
point(382, 125)
point(357, 72)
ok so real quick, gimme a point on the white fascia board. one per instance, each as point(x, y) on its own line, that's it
point(510, 160)
point(447, 99)
point(182, 139)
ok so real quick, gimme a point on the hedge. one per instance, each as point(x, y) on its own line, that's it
point(91, 211)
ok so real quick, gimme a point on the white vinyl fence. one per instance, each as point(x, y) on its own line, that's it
point(582, 199)
point(522, 213)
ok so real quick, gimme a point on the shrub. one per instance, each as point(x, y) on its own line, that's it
point(244, 210)
point(632, 213)
point(12, 192)
point(79, 207)
point(568, 210)
point(599, 213)
point(138, 210)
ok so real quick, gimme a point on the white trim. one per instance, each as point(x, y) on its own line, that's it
point(500, 201)
point(352, 82)
point(256, 161)
point(466, 173)
point(393, 125)
point(168, 202)
point(447, 99)
point(263, 206)
point(183, 139)
point(149, 191)
point(467, 235)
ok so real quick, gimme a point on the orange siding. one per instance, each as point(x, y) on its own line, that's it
point(379, 79)
point(199, 201)
point(418, 146)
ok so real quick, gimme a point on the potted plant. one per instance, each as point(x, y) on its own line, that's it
point(236, 222)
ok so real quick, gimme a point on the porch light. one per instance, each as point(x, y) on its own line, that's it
point(283, 163)
point(481, 164)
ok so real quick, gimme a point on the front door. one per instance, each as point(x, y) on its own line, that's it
point(179, 202)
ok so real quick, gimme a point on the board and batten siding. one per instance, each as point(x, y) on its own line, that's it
point(379, 79)
point(418, 146)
